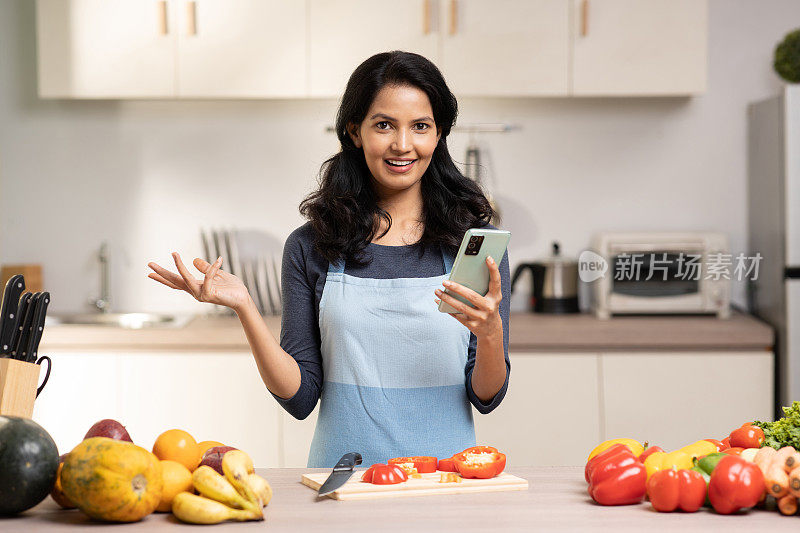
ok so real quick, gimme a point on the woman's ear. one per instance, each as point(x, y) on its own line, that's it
point(353, 131)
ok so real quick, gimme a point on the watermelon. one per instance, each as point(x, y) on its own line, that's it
point(28, 464)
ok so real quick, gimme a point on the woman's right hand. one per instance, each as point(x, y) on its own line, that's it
point(217, 287)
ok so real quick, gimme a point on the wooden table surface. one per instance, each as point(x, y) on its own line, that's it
point(556, 501)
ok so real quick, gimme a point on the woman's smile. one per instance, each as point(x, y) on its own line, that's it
point(400, 166)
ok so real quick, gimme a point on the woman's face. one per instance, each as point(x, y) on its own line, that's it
point(398, 136)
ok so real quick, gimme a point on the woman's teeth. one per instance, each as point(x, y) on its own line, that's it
point(399, 163)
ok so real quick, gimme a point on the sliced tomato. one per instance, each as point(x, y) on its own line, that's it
point(482, 465)
point(423, 464)
point(381, 474)
point(446, 465)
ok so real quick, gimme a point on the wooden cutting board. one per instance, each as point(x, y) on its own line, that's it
point(429, 484)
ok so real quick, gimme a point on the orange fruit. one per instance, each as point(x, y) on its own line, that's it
point(177, 478)
point(206, 444)
point(177, 445)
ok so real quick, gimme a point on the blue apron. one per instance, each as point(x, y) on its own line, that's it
point(394, 380)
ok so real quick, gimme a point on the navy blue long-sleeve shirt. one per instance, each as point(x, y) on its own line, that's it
point(303, 276)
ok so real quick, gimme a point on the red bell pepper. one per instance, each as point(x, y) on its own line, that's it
point(726, 443)
point(735, 484)
point(423, 464)
point(719, 444)
point(616, 477)
point(747, 436)
point(480, 449)
point(381, 474)
point(670, 489)
point(446, 465)
point(479, 464)
point(645, 454)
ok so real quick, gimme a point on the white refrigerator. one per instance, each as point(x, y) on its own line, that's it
point(774, 230)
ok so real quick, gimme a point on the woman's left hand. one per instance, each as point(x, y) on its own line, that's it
point(483, 317)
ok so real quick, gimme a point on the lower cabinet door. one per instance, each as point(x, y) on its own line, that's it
point(551, 413)
point(675, 398)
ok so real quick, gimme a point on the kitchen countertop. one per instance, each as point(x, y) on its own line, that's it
point(556, 501)
point(528, 332)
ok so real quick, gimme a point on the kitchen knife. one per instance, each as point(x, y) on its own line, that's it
point(8, 314)
point(37, 327)
point(26, 320)
point(22, 309)
point(341, 473)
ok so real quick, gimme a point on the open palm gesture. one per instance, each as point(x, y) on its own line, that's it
point(217, 286)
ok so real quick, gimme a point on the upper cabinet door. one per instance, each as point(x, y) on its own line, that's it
point(346, 32)
point(506, 47)
point(639, 47)
point(242, 48)
point(106, 48)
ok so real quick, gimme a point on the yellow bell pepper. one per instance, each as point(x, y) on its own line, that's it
point(634, 445)
point(701, 447)
point(677, 460)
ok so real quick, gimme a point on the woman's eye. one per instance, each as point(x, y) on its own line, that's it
point(422, 126)
point(382, 125)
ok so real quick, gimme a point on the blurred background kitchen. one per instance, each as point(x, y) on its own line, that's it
point(140, 123)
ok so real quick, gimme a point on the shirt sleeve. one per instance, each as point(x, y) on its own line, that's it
point(484, 408)
point(300, 335)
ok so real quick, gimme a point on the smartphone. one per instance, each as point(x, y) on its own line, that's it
point(470, 268)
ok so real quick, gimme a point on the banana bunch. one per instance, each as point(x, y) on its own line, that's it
point(238, 495)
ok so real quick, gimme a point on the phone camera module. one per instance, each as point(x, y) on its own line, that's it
point(474, 245)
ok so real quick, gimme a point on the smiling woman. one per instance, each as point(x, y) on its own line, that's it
point(360, 331)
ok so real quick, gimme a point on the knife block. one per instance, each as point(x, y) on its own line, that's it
point(18, 383)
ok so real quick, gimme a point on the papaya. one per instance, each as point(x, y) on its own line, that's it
point(57, 493)
point(112, 480)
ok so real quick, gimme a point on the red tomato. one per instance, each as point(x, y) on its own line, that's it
point(423, 464)
point(747, 436)
point(670, 489)
point(381, 474)
point(719, 444)
point(446, 465)
point(726, 443)
point(735, 484)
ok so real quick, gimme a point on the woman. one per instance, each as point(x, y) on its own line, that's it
point(360, 330)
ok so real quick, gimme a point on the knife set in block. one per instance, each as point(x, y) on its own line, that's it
point(22, 316)
point(18, 387)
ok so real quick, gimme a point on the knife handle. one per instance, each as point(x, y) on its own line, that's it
point(21, 353)
point(37, 326)
point(8, 321)
point(348, 461)
point(19, 321)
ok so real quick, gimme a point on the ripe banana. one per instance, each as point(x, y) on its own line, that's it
point(195, 509)
point(237, 465)
point(212, 485)
point(260, 486)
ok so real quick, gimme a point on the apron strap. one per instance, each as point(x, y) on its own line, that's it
point(336, 268)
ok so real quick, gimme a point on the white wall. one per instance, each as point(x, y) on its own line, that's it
point(147, 174)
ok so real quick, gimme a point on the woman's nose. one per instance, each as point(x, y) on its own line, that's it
point(402, 141)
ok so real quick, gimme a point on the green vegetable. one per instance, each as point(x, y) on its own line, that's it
point(787, 57)
point(784, 431)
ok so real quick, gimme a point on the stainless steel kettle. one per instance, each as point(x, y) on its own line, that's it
point(555, 283)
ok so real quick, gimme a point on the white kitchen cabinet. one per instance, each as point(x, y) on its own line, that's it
point(243, 49)
point(213, 396)
point(551, 412)
point(505, 47)
point(296, 438)
point(343, 33)
point(639, 47)
point(675, 398)
point(106, 48)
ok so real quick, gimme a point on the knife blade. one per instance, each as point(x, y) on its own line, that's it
point(8, 314)
point(341, 473)
point(22, 309)
point(20, 352)
point(37, 327)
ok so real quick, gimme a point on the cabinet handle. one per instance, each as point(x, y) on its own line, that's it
point(162, 17)
point(426, 17)
point(191, 18)
point(585, 18)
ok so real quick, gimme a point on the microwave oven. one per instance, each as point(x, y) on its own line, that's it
point(662, 273)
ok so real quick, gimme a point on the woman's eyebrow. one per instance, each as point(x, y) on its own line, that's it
point(387, 117)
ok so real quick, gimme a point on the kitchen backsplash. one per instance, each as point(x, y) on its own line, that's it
point(146, 175)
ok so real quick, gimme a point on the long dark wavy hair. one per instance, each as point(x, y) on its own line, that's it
point(344, 211)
